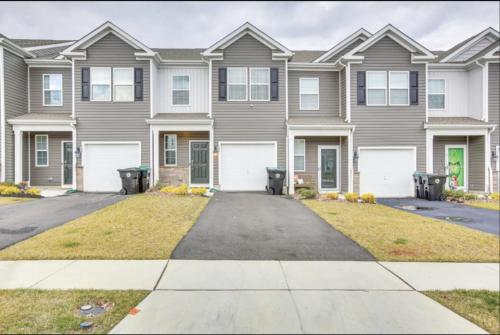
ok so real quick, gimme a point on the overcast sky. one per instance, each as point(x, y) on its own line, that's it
point(297, 25)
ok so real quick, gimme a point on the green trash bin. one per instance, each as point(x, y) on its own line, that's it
point(130, 180)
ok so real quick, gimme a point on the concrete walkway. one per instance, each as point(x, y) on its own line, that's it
point(269, 296)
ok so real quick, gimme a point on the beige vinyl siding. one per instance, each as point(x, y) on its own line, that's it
point(36, 90)
point(49, 175)
point(328, 94)
point(25, 156)
point(344, 169)
point(345, 50)
point(494, 105)
point(183, 139)
point(249, 120)
point(113, 121)
point(16, 103)
point(389, 125)
point(476, 163)
point(343, 94)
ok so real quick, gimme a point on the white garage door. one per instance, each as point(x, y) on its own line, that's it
point(243, 165)
point(387, 172)
point(101, 162)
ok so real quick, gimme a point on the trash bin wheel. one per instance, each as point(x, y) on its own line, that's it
point(123, 191)
point(442, 197)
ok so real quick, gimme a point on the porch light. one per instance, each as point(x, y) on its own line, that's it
point(78, 153)
point(355, 156)
point(216, 151)
point(493, 155)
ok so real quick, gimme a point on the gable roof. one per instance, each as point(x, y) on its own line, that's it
point(34, 43)
point(464, 45)
point(306, 56)
point(359, 34)
point(102, 31)
point(187, 54)
point(14, 48)
point(399, 37)
point(250, 29)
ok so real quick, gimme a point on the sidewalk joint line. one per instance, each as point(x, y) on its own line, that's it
point(53, 273)
point(293, 299)
point(161, 275)
point(397, 276)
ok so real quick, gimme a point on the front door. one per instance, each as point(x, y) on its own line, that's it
point(199, 162)
point(456, 166)
point(67, 156)
point(328, 167)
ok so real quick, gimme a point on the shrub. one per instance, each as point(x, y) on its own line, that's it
point(167, 189)
point(11, 190)
point(495, 196)
point(368, 198)
point(306, 193)
point(454, 194)
point(332, 195)
point(470, 196)
point(34, 192)
point(351, 196)
point(181, 189)
point(198, 190)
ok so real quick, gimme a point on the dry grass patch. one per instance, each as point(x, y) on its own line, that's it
point(394, 235)
point(146, 226)
point(493, 205)
point(10, 201)
point(51, 312)
point(479, 307)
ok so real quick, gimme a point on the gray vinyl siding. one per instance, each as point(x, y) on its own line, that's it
point(311, 171)
point(328, 94)
point(389, 125)
point(113, 121)
point(36, 90)
point(249, 120)
point(476, 163)
point(183, 139)
point(343, 94)
point(16, 103)
point(25, 156)
point(494, 104)
point(343, 51)
point(50, 175)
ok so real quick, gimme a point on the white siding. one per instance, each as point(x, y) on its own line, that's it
point(475, 103)
point(198, 95)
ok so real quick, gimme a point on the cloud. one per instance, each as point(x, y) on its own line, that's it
point(298, 25)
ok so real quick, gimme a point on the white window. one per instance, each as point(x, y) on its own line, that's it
point(376, 88)
point(41, 150)
point(100, 82)
point(123, 84)
point(237, 84)
point(299, 163)
point(309, 93)
point(52, 89)
point(259, 84)
point(180, 90)
point(436, 93)
point(399, 88)
point(170, 149)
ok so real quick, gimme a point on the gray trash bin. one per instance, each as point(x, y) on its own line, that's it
point(144, 178)
point(275, 180)
point(418, 178)
point(436, 187)
point(131, 179)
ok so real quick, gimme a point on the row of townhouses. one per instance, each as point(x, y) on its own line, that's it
point(362, 116)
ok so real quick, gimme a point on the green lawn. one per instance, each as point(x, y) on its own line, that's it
point(12, 200)
point(493, 205)
point(146, 226)
point(395, 235)
point(479, 307)
point(49, 312)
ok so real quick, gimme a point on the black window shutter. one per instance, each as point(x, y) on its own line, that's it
point(85, 83)
point(222, 84)
point(414, 87)
point(274, 84)
point(361, 84)
point(138, 84)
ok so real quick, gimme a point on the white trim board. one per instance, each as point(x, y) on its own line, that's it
point(359, 34)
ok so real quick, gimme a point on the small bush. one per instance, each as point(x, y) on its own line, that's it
point(495, 196)
point(470, 196)
point(306, 193)
point(332, 195)
point(34, 192)
point(351, 196)
point(454, 194)
point(368, 198)
point(11, 190)
point(198, 190)
point(181, 189)
point(167, 189)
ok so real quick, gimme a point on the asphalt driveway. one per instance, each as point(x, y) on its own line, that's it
point(256, 226)
point(476, 218)
point(26, 219)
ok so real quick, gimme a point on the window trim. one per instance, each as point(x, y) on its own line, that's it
point(110, 84)
point(376, 88)
point(268, 69)
point(165, 149)
point(113, 95)
point(44, 90)
point(188, 90)
point(246, 83)
point(300, 94)
point(295, 155)
point(443, 94)
point(37, 150)
point(407, 89)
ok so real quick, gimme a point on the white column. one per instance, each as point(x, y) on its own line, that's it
point(350, 157)
point(211, 158)
point(18, 156)
point(156, 156)
point(429, 151)
point(291, 171)
point(73, 146)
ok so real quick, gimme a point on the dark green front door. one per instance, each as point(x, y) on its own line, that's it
point(68, 163)
point(199, 163)
point(328, 167)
